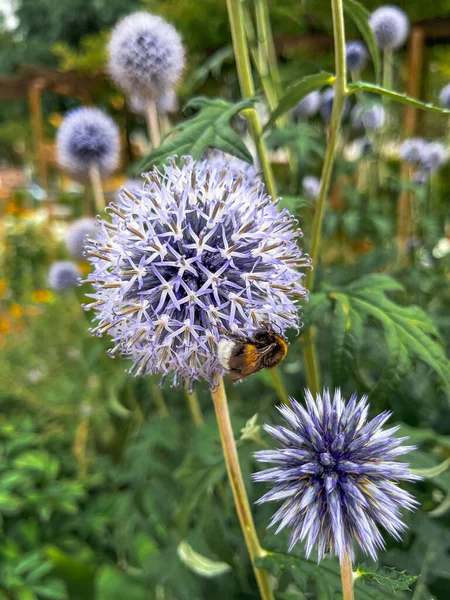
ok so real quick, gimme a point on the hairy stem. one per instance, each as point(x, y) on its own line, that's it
point(340, 92)
point(153, 124)
point(238, 488)
point(241, 55)
point(97, 189)
point(347, 578)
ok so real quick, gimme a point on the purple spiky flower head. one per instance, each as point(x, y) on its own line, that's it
point(215, 160)
point(434, 155)
point(308, 106)
point(76, 236)
point(412, 150)
point(87, 137)
point(63, 275)
point(146, 56)
point(336, 475)
point(356, 55)
point(311, 186)
point(196, 252)
point(444, 96)
point(368, 117)
point(390, 26)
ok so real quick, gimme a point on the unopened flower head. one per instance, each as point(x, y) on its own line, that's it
point(326, 104)
point(444, 96)
point(76, 236)
point(146, 56)
point(311, 186)
point(337, 476)
point(356, 55)
point(308, 106)
point(412, 150)
point(196, 252)
point(88, 137)
point(390, 26)
point(368, 117)
point(63, 275)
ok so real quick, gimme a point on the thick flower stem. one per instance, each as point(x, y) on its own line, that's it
point(340, 92)
point(97, 189)
point(241, 55)
point(158, 397)
point(388, 83)
point(153, 124)
point(347, 578)
point(237, 485)
point(194, 407)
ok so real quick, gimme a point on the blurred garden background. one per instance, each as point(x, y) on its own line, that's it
point(112, 487)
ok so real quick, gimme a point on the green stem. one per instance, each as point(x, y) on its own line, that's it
point(388, 83)
point(340, 92)
point(241, 54)
point(238, 488)
point(347, 578)
point(158, 397)
point(279, 386)
point(194, 407)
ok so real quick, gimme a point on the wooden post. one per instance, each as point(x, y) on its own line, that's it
point(416, 49)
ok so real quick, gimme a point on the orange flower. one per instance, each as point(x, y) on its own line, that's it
point(4, 325)
point(16, 311)
point(39, 296)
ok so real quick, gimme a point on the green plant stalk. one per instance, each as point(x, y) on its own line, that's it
point(347, 578)
point(271, 51)
point(238, 488)
point(388, 84)
point(242, 58)
point(279, 387)
point(194, 407)
point(158, 397)
point(241, 55)
point(340, 92)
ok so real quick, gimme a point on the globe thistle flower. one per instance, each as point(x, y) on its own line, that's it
point(412, 149)
point(63, 275)
point(308, 106)
point(434, 155)
point(356, 55)
point(131, 186)
point(326, 104)
point(444, 96)
point(88, 137)
point(196, 252)
point(390, 26)
point(336, 475)
point(76, 236)
point(146, 56)
point(311, 186)
point(368, 117)
point(216, 160)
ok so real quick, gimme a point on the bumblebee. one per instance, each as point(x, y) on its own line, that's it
point(242, 356)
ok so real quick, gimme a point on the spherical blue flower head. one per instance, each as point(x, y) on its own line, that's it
point(311, 186)
point(196, 252)
point(337, 475)
point(412, 150)
point(146, 56)
point(63, 275)
point(434, 155)
point(444, 96)
point(87, 137)
point(356, 55)
point(390, 26)
point(326, 104)
point(76, 236)
point(308, 106)
point(368, 117)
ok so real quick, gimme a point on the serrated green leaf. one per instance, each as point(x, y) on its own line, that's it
point(200, 564)
point(387, 577)
point(364, 86)
point(208, 128)
point(433, 471)
point(360, 15)
point(297, 92)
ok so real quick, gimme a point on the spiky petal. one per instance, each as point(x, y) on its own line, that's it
point(337, 476)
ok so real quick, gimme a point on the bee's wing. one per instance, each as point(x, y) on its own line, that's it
point(247, 362)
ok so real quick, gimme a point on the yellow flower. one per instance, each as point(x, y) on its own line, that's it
point(4, 325)
point(39, 296)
